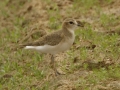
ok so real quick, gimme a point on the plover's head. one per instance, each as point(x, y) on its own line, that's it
point(71, 24)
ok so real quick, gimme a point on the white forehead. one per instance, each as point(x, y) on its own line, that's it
point(75, 22)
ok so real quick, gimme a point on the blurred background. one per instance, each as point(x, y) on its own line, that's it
point(93, 63)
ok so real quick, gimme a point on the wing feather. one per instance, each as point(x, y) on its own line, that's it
point(50, 39)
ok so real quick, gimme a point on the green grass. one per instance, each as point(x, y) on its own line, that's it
point(26, 70)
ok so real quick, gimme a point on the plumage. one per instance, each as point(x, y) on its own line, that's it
point(50, 39)
point(57, 41)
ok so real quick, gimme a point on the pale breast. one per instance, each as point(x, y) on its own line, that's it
point(62, 46)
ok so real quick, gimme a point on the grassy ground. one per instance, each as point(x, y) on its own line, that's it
point(92, 63)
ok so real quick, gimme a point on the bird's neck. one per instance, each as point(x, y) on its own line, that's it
point(68, 32)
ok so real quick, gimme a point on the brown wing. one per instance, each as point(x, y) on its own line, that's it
point(51, 39)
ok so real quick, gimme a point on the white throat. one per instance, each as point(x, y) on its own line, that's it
point(71, 30)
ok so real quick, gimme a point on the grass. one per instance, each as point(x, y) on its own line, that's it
point(26, 70)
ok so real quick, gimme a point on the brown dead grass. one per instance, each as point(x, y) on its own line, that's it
point(35, 14)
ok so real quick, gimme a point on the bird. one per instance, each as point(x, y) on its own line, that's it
point(57, 41)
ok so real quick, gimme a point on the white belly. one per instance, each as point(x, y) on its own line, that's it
point(63, 46)
point(54, 49)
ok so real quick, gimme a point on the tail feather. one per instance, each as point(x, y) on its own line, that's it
point(30, 47)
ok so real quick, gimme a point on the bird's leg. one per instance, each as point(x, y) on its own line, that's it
point(53, 65)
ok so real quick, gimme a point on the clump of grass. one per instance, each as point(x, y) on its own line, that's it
point(25, 70)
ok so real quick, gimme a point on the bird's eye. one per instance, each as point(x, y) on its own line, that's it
point(71, 22)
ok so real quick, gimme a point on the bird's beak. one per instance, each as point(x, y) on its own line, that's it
point(80, 24)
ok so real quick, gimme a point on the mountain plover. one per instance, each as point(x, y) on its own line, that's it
point(57, 41)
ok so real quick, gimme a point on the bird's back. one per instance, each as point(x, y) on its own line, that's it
point(50, 39)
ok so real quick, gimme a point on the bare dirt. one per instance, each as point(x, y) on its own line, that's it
point(37, 21)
